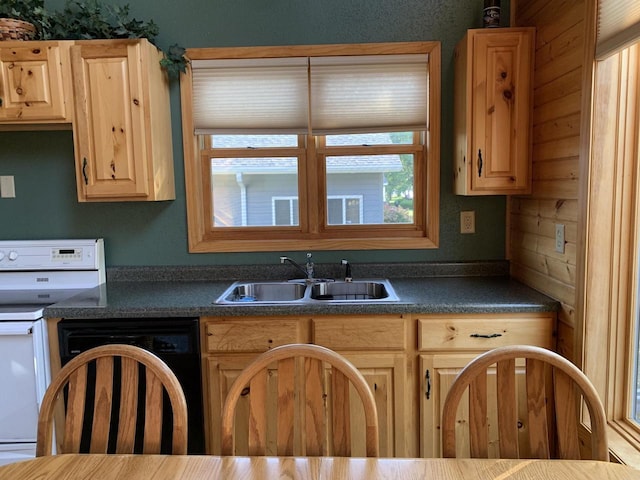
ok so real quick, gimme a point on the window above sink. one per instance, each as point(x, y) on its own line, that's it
point(353, 164)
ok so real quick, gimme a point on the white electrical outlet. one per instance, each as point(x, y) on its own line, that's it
point(468, 222)
point(559, 238)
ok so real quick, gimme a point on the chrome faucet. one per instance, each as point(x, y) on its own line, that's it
point(307, 270)
point(347, 270)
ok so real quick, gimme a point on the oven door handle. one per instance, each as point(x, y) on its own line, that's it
point(16, 328)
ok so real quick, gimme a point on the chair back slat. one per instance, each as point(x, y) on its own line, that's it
point(566, 417)
point(128, 406)
point(548, 426)
point(75, 410)
point(314, 408)
point(478, 417)
point(341, 425)
point(308, 393)
point(74, 379)
point(257, 437)
point(153, 414)
point(537, 408)
point(507, 408)
point(102, 406)
point(286, 403)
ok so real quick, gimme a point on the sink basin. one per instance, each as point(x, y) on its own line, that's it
point(355, 291)
point(316, 292)
point(264, 292)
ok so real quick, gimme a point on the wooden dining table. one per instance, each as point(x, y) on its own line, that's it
point(197, 467)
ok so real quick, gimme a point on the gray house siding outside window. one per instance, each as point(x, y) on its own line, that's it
point(247, 199)
point(258, 191)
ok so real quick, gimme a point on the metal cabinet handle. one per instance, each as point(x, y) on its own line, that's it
point(479, 163)
point(84, 171)
point(485, 335)
point(427, 378)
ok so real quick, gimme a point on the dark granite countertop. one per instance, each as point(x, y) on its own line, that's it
point(171, 292)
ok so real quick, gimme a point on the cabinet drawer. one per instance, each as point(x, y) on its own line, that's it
point(484, 332)
point(355, 332)
point(251, 335)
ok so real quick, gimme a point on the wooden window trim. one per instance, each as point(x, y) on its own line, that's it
point(424, 233)
point(608, 299)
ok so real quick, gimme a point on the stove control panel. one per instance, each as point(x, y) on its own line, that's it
point(30, 255)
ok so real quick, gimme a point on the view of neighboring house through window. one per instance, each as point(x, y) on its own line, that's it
point(313, 147)
point(262, 190)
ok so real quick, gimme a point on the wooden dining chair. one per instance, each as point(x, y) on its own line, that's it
point(311, 404)
point(546, 426)
point(109, 399)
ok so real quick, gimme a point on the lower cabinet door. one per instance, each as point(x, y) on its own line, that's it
point(438, 373)
point(221, 372)
point(386, 375)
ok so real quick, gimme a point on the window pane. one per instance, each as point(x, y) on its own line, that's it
point(282, 212)
point(373, 189)
point(334, 211)
point(285, 211)
point(352, 210)
point(398, 138)
point(344, 210)
point(243, 190)
point(253, 141)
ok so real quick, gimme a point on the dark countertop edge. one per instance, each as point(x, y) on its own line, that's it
point(263, 310)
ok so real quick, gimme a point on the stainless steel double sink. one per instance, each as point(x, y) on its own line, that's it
point(309, 292)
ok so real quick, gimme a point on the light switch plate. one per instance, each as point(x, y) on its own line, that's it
point(7, 187)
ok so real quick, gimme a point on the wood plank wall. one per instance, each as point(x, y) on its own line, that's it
point(560, 37)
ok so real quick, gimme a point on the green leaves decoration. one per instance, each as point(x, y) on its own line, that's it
point(90, 19)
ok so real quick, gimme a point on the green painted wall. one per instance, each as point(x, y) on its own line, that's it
point(155, 233)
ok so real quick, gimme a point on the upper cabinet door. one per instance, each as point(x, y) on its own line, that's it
point(110, 103)
point(122, 131)
point(32, 82)
point(492, 110)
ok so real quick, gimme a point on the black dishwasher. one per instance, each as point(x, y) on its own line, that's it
point(174, 340)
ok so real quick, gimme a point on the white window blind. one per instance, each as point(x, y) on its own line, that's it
point(618, 25)
point(251, 96)
point(369, 93)
point(322, 95)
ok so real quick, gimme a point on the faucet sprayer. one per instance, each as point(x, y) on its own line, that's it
point(347, 270)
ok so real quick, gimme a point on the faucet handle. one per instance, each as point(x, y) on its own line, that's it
point(310, 267)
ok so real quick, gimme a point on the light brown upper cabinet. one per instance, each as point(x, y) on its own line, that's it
point(35, 84)
point(492, 111)
point(122, 127)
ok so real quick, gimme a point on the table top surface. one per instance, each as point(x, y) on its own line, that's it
point(158, 467)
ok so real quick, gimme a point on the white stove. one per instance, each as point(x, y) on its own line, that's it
point(33, 275)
